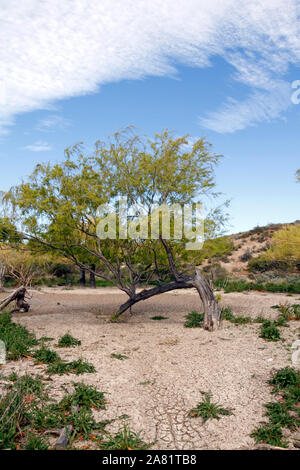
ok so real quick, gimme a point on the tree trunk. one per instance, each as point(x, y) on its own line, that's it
point(212, 313)
point(92, 277)
point(2, 276)
point(82, 280)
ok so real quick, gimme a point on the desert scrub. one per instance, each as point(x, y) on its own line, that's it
point(269, 331)
point(74, 367)
point(208, 410)
point(124, 439)
point(67, 340)
point(241, 285)
point(18, 340)
point(283, 413)
point(194, 320)
point(288, 311)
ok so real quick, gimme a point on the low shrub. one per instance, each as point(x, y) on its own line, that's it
point(193, 320)
point(269, 331)
point(67, 340)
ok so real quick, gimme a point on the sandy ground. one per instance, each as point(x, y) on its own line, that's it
point(168, 365)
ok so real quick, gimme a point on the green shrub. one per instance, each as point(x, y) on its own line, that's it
point(193, 320)
point(67, 341)
point(269, 331)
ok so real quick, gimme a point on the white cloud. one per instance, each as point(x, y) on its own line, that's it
point(38, 147)
point(53, 50)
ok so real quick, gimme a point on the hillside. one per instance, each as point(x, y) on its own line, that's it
point(245, 246)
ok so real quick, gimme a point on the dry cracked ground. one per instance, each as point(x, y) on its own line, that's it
point(168, 366)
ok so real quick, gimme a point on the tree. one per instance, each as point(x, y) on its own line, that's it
point(59, 211)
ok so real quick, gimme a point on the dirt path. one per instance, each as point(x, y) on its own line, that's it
point(168, 365)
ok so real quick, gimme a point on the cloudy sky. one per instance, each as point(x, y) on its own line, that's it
point(79, 70)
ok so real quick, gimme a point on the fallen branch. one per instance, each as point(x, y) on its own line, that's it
point(19, 296)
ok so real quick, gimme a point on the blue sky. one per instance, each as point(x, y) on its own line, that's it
point(81, 71)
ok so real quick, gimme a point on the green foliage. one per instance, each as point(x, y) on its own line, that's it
point(85, 396)
point(288, 311)
point(269, 331)
point(284, 378)
point(228, 315)
point(121, 357)
point(59, 204)
point(193, 320)
point(283, 413)
point(208, 410)
point(26, 408)
point(13, 409)
point(242, 285)
point(284, 253)
point(74, 367)
point(279, 413)
point(67, 340)
point(18, 340)
point(216, 248)
point(46, 355)
point(35, 442)
point(269, 434)
point(124, 439)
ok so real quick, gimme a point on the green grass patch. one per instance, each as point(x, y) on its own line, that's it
point(46, 355)
point(74, 367)
point(17, 339)
point(124, 439)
